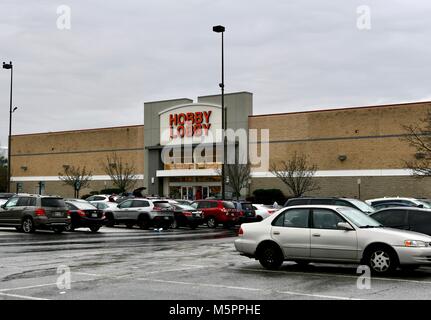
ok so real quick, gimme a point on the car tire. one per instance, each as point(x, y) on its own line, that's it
point(94, 229)
point(144, 223)
point(271, 257)
point(212, 222)
point(110, 221)
point(381, 260)
point(28, 225)
point(70, 228)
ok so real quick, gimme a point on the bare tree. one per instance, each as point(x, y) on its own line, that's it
point(75, 177)
point(419, 136)
point(121, 173)
point(296, 174)
point(239, 176)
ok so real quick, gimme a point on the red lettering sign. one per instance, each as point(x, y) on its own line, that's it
point(189, 124)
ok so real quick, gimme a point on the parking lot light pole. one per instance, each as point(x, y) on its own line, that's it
point(221, 29)
point(9, 66)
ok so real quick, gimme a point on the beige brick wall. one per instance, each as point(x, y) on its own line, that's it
point(371, 187)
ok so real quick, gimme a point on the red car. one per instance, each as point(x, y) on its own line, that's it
point(217, 212)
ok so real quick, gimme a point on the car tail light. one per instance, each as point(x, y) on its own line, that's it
point(240, 232)
point(81, 213)
point(157, 209)
point(187, 213)
point(40, 212)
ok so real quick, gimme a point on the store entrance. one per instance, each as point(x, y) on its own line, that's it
point(194, 192)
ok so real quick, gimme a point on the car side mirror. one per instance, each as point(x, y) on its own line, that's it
point(344, 226)
point(420, 206)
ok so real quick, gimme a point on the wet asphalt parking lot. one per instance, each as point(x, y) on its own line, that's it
point(119, 263)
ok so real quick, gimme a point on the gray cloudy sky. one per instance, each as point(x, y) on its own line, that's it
point(293, 55)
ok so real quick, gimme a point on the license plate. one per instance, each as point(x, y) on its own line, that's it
point(58, 214)
point(94, 215)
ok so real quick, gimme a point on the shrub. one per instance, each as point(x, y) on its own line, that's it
point(111, 191)
point(269, 196)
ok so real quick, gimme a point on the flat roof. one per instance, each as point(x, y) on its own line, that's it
point(340, 109)
point(78, 130)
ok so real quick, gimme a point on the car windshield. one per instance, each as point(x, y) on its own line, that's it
point(363, 206)
point(228, 205)
point(424, 203)
point(358, 218)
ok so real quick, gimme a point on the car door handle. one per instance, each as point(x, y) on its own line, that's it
point(276, 232)
point(316, 235)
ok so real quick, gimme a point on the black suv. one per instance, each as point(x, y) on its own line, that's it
point(30, 212)
point(345, 202)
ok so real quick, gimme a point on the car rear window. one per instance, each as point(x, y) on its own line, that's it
point(53, 202)
point(162, 204)
point(228, 205)
point(83, 205)
point(184, 207)
point(247, 206)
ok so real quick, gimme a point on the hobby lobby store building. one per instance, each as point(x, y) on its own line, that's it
point(356, 150)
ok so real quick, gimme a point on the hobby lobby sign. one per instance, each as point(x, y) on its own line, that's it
point(189, 124)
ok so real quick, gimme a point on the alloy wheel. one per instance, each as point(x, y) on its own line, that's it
point(380, 261)
point(27, 225)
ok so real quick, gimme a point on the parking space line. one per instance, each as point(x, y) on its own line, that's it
point(28, 287)
point(246, 289)
point(329, 275)
point(20, 296)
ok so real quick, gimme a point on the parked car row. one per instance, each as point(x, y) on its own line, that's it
point(29, 212)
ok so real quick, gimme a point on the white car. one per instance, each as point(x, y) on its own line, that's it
point(412, 202)
point(141, 211)
point(334, 234)
point(262, 212)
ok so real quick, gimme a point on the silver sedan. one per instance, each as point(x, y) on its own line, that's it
point(331, 234)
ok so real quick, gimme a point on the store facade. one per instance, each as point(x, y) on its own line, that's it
point(183, 143)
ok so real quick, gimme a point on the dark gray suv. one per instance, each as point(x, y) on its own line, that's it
point(30, 212)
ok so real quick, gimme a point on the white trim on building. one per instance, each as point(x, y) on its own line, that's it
point(56, 178)
point(345, 173)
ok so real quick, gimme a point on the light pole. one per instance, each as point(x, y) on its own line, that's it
point(221, 29)
point(9, 66)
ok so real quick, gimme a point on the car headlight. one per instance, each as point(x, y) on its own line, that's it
point(414, 243)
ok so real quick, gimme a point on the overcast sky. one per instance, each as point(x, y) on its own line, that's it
point(292, 55)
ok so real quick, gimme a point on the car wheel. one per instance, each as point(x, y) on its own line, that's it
point(110, 221)
point(70, 228)
point(271, 257)
point(144, 223)
point(28, 225)
point(94, 228)
point(212, 223)
point(381, 260)
point(58, 230)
